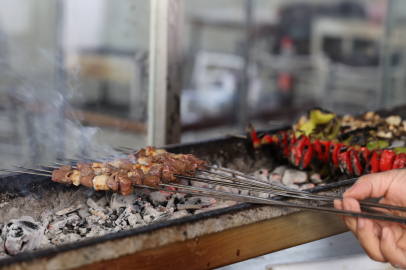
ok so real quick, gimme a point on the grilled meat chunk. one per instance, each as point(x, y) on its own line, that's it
point(151, 180)
point(62, 175)
point(86, 174)
point(120, 183)
point(136, 176)
point(168, 174)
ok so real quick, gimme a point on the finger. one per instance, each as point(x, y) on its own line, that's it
point(338, 204)
point(371, 185)
point(350, 204)
point(368, 236)
point(390, 249)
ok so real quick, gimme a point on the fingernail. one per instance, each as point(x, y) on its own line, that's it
point(361, 222)
point(384, 232)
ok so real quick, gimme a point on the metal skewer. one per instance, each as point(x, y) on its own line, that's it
point(48, 175)
point(31, 169)
point(246, 176)
point(47, 166)
point(61, 164)
point(253, 199)
point(248, 183)
point(262, 183)
point(294, 192)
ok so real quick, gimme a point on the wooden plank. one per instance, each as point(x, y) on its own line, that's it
point(98, 119)
point(234, 245)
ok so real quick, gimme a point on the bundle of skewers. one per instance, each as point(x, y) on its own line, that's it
point(328, 144)
point(159, 170)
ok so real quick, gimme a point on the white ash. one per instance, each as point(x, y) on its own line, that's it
point(117, 201)
point(20, 235)
point(194, 203)
point(101, 213)
point(219, 205)
point(293, 186)
point(306, 186)
point(316, 178)
point(293, 176)
point(157, 197)
point(180, 214)
point(201, 184)
point(98, 216)
point(174, 200)
point(276, 175)
point(68, 210)
point(263, 175)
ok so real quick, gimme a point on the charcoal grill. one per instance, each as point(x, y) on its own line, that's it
point(201, 241)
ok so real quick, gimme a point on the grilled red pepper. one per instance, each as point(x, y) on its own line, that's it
point(363, 155)
point(373, 163)
point(252, 135)
point(325, 146)
point(283, 142)
point(297, 150)
point(318, 150)
point(333, 153)
point(275, 141)
point(267, 139)
point(292, 141)
point(400, 161)
point(357, 166)
point(344, 160)
point(257, 143)
point(386, 160)
point(307, 154)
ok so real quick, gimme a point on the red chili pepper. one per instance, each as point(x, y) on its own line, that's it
point(325, 145)
point(356, 163)
point(386, 161)
point(307, 154)
point(267, 139)
point(333, 153)
point(283, 142)
point(399, 162)
point(373, 163)
point(297, 150)
point(344, 161)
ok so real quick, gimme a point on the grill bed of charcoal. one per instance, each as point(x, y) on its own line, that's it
point(68, 227)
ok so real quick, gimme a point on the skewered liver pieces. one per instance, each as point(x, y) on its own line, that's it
point(136, 176)
point(86, 174)
point(120, 183)
point(121, 175)
point(62, 175)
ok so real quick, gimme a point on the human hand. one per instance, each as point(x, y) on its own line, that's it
point(383, 241)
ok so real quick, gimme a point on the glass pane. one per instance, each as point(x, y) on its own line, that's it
point(295, 54)
point(73, 78)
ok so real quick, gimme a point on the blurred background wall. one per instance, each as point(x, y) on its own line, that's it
point(74, 74)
